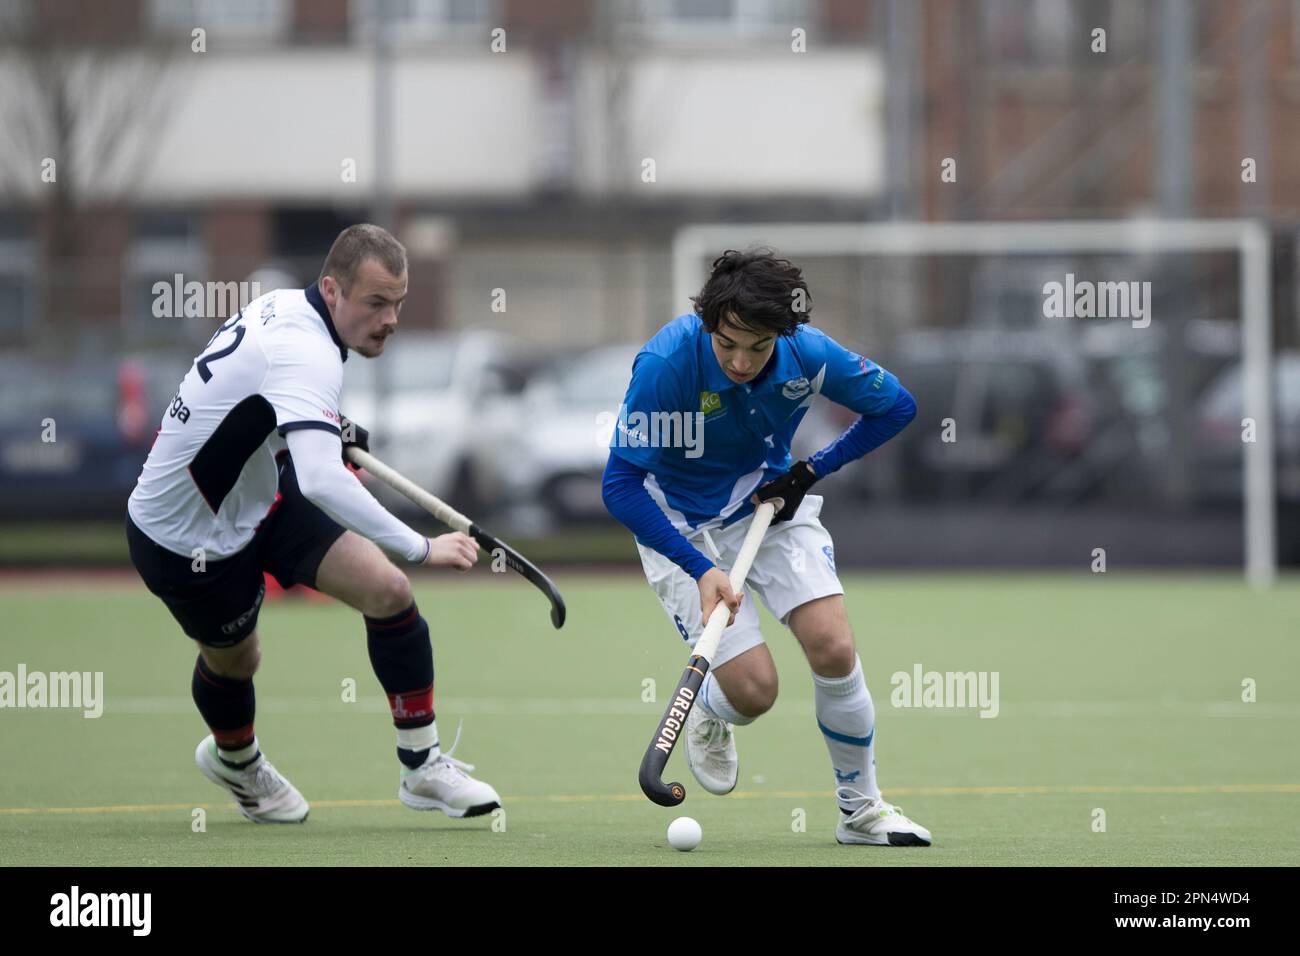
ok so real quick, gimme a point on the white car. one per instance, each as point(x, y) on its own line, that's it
point(437, 405)
point(557, 451)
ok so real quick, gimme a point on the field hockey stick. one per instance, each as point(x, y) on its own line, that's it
point(458, 522)
point(683, 699)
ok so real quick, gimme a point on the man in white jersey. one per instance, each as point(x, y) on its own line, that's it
point(247, 476)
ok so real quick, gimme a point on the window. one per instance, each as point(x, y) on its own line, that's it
point(425, 20)
point(15, 15)
point(685, 20)
point(1032, 32)
point(1127, 32)
point(18, 271)
point(165, 246)
point(1058, 33)
point(249, 19)
point(1295, 30)
point(18, 292)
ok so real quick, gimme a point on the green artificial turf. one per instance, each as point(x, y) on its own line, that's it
point(1117, 693)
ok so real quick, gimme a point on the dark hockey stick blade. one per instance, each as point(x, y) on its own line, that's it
point(522, 566)
point(671, 726)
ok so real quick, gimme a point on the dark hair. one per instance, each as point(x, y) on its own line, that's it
point(354, 245)
point(757, 289)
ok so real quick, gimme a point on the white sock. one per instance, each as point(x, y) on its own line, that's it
point(847, 719)
point(240, 757)
point(420, 738)
point(715, 703)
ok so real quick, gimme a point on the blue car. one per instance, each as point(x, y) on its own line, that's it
point(73, 436)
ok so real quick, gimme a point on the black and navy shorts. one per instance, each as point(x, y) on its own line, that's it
point(218, 606)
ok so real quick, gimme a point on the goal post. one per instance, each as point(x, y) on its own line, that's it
point(694, 246)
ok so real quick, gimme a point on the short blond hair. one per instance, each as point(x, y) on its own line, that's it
point(355, 245)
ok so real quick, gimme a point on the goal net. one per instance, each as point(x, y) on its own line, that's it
point(1088, 391)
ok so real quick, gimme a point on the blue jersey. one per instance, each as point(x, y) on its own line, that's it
point(708, 442)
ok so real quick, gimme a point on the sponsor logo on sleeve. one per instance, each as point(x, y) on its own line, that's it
point(868, 367)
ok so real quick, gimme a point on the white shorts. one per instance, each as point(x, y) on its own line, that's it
point(795, 564)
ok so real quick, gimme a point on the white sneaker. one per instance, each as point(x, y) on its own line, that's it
point(442, 783)
point(711, 751)
point(261, 792)
point(877, 823)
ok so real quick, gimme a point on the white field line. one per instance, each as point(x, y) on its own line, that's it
point(599, 798)
point(618, 707)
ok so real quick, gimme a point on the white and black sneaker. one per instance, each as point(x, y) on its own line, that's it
point(876, 823)
point(711, 751)
point(443, 783)
point(261, 792)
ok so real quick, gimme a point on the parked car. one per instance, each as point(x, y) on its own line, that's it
point(1078, 411)
point(1220, 450)
point(74, 434)
point(1130, 449)
point(555, 456)
point(1016, 403)
point(438, 407)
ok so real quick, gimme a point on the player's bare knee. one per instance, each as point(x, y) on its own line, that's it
point(755, 693)
point(763, 695)
point(390, 595)
point(832, 654)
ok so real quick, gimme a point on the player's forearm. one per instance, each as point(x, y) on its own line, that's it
point(864, 435)
point(623, 491)
point(325, 481)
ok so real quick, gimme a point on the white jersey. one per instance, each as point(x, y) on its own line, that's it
point(211, 476)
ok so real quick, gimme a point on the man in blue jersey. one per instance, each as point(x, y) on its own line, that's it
point(703, 435)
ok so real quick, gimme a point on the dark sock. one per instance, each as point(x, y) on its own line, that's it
point(227, 705)
point(402, 657)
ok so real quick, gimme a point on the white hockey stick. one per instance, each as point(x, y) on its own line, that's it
point(458, 522)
